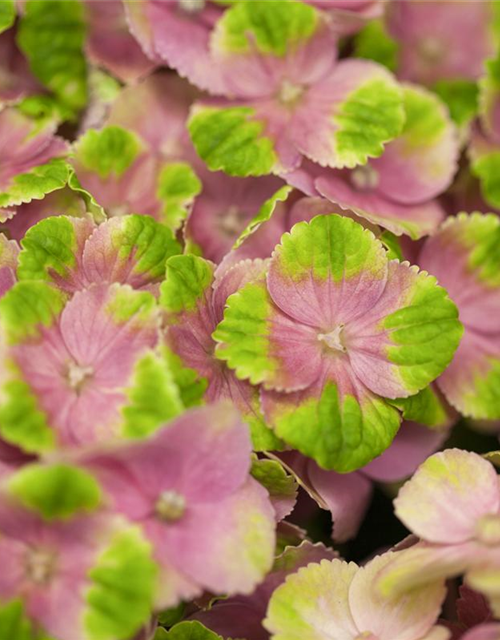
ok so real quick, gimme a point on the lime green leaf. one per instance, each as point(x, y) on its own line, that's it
point(487, 169)
point(36, 183)
point(392, 246)
point(232, 141)
point(272, 475)
point(14, 625)
point(121, 596)
point(7, 14)
point(56, 491)
point(92, 206)
point(111, 150)
point(191, 387)
point(51, 35)
point(461, 97)
point(264, 214)
point(178, 185)
point(188, 277)
point(426, 407)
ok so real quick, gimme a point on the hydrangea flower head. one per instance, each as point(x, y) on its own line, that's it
point(332, 331)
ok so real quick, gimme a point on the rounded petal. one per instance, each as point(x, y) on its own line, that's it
point(447, 496)
point(483, 632)
point(406, 617)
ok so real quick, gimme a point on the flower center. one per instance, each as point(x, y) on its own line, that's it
point(77, 376)
point(170, 506)
point(231, 221)
point(364, 178)
point(333, 339)
point(289, 93)
point(192, 6)
point(366, 635)
point(431, 49)
point(40, 566)
point(488, 530)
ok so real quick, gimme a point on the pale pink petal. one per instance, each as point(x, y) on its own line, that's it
point(483, 632)
point(447, 496)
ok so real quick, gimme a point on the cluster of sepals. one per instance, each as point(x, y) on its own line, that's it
point(235, 265)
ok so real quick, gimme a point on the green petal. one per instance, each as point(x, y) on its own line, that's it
point(273, 477)
point(370, 116)
point(426, 407)
point(178, 185)
point(48, 246)
point(121, 597)
point(14, 624)
point(92, 206)
point(461, 97)
point(57, 491)
point(27, 306)
point(110, 151)
point(7, 14)
point(487, 169)
point(374, 43)
point(189, 631)
point(264, 214)
point(51, 35)
point(232, 141)
point(191, 387)
point(36, 183)
point(187, 281)
point(153, 398)
point(340, 434)
point(273, 28)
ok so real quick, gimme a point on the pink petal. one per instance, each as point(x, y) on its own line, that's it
point(483, 632)
point(452, 489)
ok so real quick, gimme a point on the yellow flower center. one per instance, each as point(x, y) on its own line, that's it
point(333, 339)
point(364, 178)
point(170, 506)
point(289, 93)
point(192, 6)
point(431, 49)
point(40, 566)
point(77, 376)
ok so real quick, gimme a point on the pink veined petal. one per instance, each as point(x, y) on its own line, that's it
point(228, 281)
point(405, 617)
point(110, 44)
point(347, 497)
point(411, 446)
point(16, 79)
point(166, 99)
point(372, 205)
point(211, 543)
point(431, 36)
point(448, 495)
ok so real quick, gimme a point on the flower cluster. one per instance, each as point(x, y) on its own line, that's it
point(249, 277)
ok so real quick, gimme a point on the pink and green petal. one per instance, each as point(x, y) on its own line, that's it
point(327, 272)
point(489, 99)
point(349, 117)
point(314, 603)
point(407, 616)
point(338, 422)
point(447, 496)
point(421, 162)
point(408, 337)
point(412, 220)
point(9, 252)
point(282, 487)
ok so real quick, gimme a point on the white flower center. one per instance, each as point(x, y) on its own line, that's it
point(192, 6)
point(431, 48)
point(231, 221)
point(289, 93)
point(333, 339)
point(488, 530)
point(40, 566)
point(364, 178)
point(170, 506)
point(78, 376)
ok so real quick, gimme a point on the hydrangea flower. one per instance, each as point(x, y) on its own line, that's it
point(331, 332)
point(74, 253)
point(64, 576)
point(463, 256)
point(397, 190)
point(31, 163)
point(336, 599)
point(431, 38)
point(242, 616)
point(347, 496)
point(210, 523)
point(292, 99)
point(135, 164)
point(194, 295)
point(80, 370)
point(453, 504)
